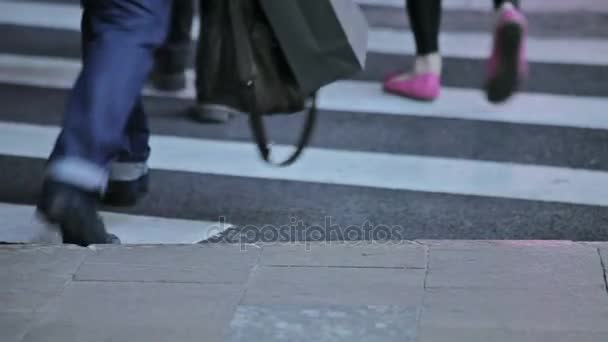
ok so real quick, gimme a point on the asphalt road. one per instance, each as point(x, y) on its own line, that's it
point(333, 210)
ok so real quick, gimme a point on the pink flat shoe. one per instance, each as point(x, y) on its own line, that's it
point(507, 66)
point(424, 87)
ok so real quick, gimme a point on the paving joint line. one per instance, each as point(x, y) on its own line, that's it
point(83, 261)
point(427, 257)
point(604, 272)
point(351, 267)
point(252, 272)
point(155, 282)
point(420, 311)
point(140, 266)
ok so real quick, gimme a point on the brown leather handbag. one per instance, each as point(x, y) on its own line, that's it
point(241, 65)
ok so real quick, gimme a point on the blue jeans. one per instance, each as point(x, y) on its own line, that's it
point(104, 121)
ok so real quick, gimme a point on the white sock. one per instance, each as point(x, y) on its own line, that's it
point(507, 5)
point(426, 64)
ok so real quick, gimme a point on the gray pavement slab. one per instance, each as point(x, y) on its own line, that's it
point(31, 276)
point(514, 265)
point(462, 313)
point(337, 286)
point(134, 311)
point(474, 291)
point(292, 323)
point(14, 325)
point(189, 263)
point(603, 249)
point(397, 254)
point(505, 335)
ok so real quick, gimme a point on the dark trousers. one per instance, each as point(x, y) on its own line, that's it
point(104, 120)
point(175, 54)
point(425, 19)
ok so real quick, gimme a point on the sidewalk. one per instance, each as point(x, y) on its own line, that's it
point(413, 291)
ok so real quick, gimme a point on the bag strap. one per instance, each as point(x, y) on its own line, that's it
point(246, 66)
point(259, 132)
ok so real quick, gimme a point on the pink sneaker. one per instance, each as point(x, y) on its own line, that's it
point(424, 87)
point(507, 66)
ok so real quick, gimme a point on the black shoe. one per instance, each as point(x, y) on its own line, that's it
point(126, 193)
point(74, 211)
point(212, 113)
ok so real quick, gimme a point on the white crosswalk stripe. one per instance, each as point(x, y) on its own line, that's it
point(56, 16)
point(360, 96)
point(387, 171)
point(21, 225)
point(478, 45)
point(460, 44)
point(328, 167)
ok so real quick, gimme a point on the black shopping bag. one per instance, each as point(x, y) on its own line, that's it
point(323, 40)
point(242, 63)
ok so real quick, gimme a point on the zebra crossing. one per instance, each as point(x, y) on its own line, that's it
point(381, 40)
point(458, 168)
point(356, 96)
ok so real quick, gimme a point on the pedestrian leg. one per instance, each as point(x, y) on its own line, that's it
point(173, 57)
point(507, 66)
point(121, 36)
point(129, 172)
point(424, 82)
point(208, 110)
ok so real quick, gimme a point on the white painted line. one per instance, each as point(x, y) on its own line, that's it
point(26, 13)
point(484, 5)
point(542, 6)
point(60, 73)
point(478, 45)
point(467, 104)
point(20, 225)
point(464, 45)
point(383, 3)
point(365, 97)
point(325, 166)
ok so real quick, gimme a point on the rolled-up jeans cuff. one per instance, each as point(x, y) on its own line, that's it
point(127, 171)
point(79, 173)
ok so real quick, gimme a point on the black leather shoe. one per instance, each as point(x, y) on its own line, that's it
point(126, 193)
point(74, 211)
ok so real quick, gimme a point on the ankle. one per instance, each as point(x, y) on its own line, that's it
point(428, 64)
point(507, 5)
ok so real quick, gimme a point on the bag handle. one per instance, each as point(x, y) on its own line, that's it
point(248, 68)
point(256, 122)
